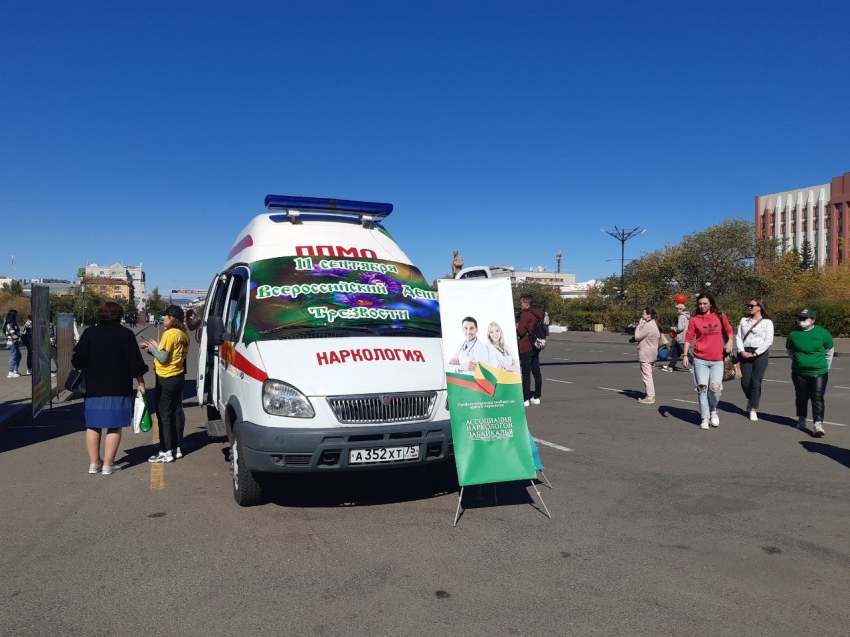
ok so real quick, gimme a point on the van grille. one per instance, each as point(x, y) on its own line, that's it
point(380, 408)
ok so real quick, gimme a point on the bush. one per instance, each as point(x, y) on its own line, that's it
point(833, 316)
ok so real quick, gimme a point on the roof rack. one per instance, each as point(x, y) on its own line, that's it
point(292, 207)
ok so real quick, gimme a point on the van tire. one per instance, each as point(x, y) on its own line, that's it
point(246, 490)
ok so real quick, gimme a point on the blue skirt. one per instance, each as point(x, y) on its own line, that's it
point(107, 412)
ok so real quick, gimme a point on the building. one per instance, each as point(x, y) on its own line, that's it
point(816, 213)
point(577, 290)
point(108, 276)
point(113, 288)
point(54, 286)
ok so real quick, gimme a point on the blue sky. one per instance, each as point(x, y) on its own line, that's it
point(151, 132)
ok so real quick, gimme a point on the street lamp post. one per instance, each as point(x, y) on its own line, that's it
point(83, 288)
point(622, 236)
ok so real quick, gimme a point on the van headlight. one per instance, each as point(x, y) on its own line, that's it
point(281, 399)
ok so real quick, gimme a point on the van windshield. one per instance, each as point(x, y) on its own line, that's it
point(289, 295)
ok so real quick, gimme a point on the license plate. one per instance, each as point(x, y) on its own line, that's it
point(383, 454)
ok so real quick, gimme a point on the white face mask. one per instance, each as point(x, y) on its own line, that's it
point(805, 324)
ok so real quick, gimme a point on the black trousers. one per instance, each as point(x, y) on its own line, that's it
point(752, 374)
point(169, 396)
point(675, 352)
point(529, 363)
point(810, 388)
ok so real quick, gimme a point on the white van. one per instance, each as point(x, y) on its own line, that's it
point(320, 348)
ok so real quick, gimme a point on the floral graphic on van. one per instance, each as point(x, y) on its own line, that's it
point(294, 295)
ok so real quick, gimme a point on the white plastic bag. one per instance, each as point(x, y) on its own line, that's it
point(139, 409)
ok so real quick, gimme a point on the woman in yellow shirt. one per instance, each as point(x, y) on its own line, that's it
point(169, 358)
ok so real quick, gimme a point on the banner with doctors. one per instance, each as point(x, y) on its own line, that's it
point(489, 429)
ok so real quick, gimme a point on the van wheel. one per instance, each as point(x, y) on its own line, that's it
point(246, 490)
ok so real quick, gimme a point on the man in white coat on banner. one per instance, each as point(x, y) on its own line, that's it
point(471, 352)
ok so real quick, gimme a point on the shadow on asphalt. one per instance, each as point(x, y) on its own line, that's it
point(684, 414)
point(21, 430)
point(568, 363)
point(840, 455)
point(139, 454)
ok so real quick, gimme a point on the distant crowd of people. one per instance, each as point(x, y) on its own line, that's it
point(704, 342)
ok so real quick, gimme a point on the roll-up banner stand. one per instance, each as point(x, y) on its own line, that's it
point(489, 430)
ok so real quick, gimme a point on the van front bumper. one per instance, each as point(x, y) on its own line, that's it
point(275, 450)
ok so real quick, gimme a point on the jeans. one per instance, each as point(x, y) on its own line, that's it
point(752, 373)
point(529, 364)
point(14, 357)
point(708, 374)
point(810, 388)
point(169, 396)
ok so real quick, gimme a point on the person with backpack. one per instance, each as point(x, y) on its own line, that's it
point(532, 339)
point(26, 339)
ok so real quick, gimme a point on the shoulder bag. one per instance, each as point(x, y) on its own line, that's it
point(731, 368)
point(76, 381)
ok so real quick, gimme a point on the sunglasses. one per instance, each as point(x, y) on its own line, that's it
point(752, 306)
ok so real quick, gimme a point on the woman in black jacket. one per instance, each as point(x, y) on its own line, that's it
point(111, 359)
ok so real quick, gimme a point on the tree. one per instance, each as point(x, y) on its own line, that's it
point(131, 311)
point(156, 304)
point(15, 288)
point(807, 256)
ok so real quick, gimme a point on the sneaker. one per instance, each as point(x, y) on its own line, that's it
point(801, 423)
point(526, 403)
point(178, 454)
point(666, 368)
point(819, 432)
point(109, 469)
point(13, 375)
point(95, 467)
point(703, 423)
point(753, 415)
point(162, 456)
point(29, 372)
point(534, 401)
point(646, 400)
point(715, 419)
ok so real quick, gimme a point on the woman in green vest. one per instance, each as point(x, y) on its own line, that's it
point(810, 348)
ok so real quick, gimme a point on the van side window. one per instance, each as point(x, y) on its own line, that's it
point(236, 302)
point(219, 295)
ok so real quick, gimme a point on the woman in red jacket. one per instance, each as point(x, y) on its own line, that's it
point(706, 331)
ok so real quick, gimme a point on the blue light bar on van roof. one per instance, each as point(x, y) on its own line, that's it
point(343, 206)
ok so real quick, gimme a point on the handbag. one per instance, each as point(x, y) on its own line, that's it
point(76, 381)
point(729, 372)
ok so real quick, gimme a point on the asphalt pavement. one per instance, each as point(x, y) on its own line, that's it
point(659, 527)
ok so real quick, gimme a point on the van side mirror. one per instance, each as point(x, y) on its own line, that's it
point(215, 330)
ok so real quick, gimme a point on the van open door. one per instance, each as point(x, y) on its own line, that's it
point(208, 386)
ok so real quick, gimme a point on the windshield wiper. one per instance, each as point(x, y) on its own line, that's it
point(313, 328)
point(408, 329)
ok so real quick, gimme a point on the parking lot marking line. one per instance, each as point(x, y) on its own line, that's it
point(550, 444)
point(681, 400)
point(768, 380)
point(619, 391)
point(555, 380)
point(157, 476)
point(560, 359)
point(840, 387)
point(835, 424)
